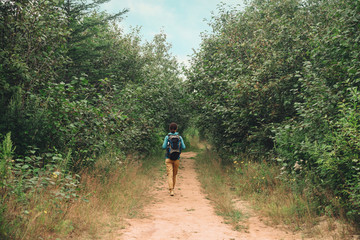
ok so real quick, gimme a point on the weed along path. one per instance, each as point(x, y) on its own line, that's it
point(188, 214)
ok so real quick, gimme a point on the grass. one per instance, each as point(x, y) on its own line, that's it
point(259, 183)
point(271, 193)
point(286, 199)
point(192, 140)
point(216, 185)
point(107, 195)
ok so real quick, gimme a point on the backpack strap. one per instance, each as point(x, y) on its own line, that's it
point(169, 142)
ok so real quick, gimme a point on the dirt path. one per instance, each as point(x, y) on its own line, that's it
point(189, 215)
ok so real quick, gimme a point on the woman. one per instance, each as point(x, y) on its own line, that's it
point(173, 142)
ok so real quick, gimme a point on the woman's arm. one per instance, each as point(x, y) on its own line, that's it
point(182, 143)
point(164, 146)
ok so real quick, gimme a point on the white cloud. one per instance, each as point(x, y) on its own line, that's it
point(184, 60)
point(181, 20)
point(145, 9)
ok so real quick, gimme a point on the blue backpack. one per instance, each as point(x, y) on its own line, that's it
point(174, 146)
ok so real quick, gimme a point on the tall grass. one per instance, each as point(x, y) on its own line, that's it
point(287, 199)
point(217, 187)
point(261, 183)
point(282, 199)
point(113, 190)
point(120, 193)
point(192, 139)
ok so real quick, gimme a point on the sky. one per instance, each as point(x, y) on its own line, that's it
point(181, 20)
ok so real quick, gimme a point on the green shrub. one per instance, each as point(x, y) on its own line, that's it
point(281, 77)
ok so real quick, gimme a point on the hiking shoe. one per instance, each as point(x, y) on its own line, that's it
point(171, 192)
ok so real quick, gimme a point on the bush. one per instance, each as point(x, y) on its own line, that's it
point(275, 78)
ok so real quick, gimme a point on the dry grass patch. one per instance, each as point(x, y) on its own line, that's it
point(109, 193)
point(276, 197)
point(121, 194)
point(216, 186)
point(285, 200)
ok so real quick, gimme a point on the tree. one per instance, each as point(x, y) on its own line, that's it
point(245, 70)
point(32, 49)
point(87, 39)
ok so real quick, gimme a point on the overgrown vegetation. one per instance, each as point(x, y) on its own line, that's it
point(280, 79)
point(215, 182)
point(281, 197)
point(50, 203)
point(74, 87)
point(271, 192)
point(276, 81)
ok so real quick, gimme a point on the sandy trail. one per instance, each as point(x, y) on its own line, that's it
point(189, 215)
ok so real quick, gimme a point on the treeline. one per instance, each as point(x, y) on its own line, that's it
point(73, 85)
point(73, 82)
point(280, 78)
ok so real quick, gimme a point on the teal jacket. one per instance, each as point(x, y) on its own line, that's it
point(164, 146)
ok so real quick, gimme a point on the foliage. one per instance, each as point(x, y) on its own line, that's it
point(89, 39)
point(108, 91)
point(74, 86)
point(216, 183)
point(243, 74)
point(280, 78)
point(317, 138)
point(342, 168)
point(32, 43)
point(51, 202)
point(6, 153)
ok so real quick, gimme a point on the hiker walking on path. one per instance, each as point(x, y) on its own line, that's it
point(173, 143)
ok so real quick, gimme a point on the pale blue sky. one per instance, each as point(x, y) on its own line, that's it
point(181, 20)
